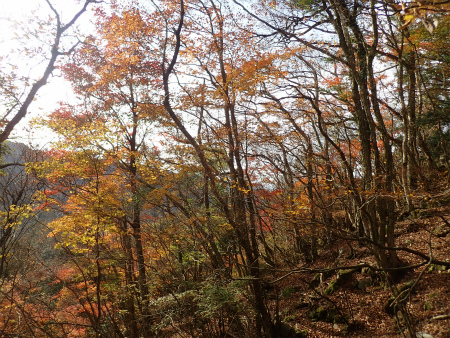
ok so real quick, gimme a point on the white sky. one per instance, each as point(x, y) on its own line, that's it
point(15, 15)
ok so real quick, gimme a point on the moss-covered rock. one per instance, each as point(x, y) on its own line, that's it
point(301, 333)
point(342, 277)
point(331, 287)
point(329, 315)
point(316, 314)
point(363, 284)
point(315, 281)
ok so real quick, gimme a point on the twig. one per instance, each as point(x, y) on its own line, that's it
point(441, 317)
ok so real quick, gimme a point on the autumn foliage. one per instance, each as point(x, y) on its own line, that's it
point(217, 146)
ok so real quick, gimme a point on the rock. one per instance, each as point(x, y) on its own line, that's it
point(366, 271)
point(330, 315)
point(284, 330)
point(341, 278)
point(423, 335)
point(301, 334)
point(441, 231)
point(301, 305)
point(363, 284)
point(315, 282)
point(331, 287)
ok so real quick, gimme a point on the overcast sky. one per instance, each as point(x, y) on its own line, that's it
point(15, 15)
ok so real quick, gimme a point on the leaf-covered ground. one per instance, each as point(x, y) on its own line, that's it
point(355, 303)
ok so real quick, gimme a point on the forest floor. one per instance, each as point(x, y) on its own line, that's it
point(355, 303)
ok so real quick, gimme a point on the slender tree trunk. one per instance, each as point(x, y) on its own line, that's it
point(130, 320)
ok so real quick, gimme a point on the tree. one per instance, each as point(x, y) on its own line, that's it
point(20, 231)
point(207, 153)
point(17, 99)
point(113, 81)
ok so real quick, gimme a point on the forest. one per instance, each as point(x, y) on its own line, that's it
point(231, 168)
